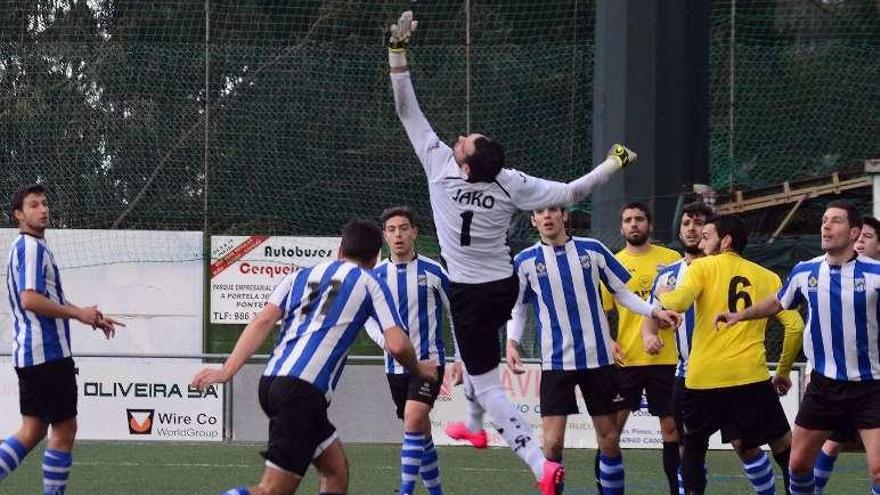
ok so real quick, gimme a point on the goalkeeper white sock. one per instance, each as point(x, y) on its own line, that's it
point(509, 422)
point(474, 420)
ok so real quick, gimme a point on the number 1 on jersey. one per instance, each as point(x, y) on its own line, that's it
point(466, 218)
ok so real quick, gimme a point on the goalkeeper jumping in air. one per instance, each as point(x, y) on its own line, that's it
point(473, 198)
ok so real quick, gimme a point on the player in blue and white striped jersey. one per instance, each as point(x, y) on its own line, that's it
point(560, 277)
point(321, 311)
point(41, 344)
point(841, 290)
point(420, 289)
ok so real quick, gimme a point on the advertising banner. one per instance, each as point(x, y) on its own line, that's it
point(245, 270)
point(642, 430)
point(124, 400)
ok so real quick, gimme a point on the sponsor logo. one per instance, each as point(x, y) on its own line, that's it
point(422, 280)
point(670, 282)
point(617, 398)
point(140, 421)
point(148, 390)
point(541, 269)
point(812, 284)
point(585, 261)
point(859, 285)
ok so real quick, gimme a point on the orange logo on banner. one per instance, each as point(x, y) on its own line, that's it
point(140, 421)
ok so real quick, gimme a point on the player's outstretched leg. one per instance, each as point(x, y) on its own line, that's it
point(471, 429)
point(12, 453)
point(515, 430)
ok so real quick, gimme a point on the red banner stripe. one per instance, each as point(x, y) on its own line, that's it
point(236, 254)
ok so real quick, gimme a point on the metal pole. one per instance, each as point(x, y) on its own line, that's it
point(731, 124)
point(574, 80)
point(467, 43)
point(206, 234)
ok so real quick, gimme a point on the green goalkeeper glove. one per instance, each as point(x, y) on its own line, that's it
point(400, 35)
point(623, 155)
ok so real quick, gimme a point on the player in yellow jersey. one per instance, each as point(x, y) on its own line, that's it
point(728, 385)
point(642, 372)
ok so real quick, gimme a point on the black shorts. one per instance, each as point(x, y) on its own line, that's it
point(410, 387)
point(848, 435)
point(48, 391)
point(599, 386)
point(749, 413)
point(299, 429)
point(839, 405)
point(675, 402)
point(656, 381)
point(478, 312)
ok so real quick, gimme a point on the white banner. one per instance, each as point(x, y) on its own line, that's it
point(642, 430)
point(245, 270)
point(151, 281)
point(125, 400)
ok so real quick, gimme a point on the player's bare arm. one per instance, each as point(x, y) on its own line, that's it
point(253, 336)
point(651, 339)
point(399, 346)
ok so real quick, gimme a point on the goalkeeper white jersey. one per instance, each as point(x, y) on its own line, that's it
point(472, 219)
point(324, 307)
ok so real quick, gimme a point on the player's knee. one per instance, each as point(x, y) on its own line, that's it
point(609, 442)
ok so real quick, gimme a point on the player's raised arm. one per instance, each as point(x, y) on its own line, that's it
point(251, 339)
point(534, 193)
point(419, 131)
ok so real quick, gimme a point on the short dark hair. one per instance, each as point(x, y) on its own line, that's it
point(398, 211)
point(873, 223)
point(852, 213)
point(361, 240)
point(733, 226)
point(697, 208)
point(486, 160)
point(17, 201)
point(639, 205)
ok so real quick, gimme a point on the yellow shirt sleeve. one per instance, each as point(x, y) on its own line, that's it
point(607, 300)
point(691, 287)
point(792, 341)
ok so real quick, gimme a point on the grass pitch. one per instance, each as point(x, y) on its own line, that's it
point(190, 468)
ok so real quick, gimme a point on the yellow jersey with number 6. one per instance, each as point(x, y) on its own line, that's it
point(735, 355)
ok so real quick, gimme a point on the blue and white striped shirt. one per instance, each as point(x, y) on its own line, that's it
point(36, 339)
point(843, 304)
point(420, 289)
point(562, 284)
point(324, 307)
point(671, 276)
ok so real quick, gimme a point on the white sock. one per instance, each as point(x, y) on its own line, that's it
point(509, 422)
point(474, 420)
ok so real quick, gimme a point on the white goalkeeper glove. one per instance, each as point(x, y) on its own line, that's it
point(400, 35)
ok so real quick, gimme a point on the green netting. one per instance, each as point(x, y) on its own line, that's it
point(794, 89)
point(276, 117)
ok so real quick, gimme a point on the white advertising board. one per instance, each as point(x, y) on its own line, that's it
point(124, 400)
point(152, 281)
point(245, 270)
point(642, 430)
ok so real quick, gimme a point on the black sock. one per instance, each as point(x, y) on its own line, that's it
point(671, 462)
point(782, 460)
point(693, 464)
point(598, 471)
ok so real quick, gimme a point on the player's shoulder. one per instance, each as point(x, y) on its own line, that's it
point(868, 265)
point(807, 266)
point(664, 254)
point(671, 268)
point(526, 254)
point(431, 265)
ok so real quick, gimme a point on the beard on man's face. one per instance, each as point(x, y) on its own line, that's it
point(637, 238)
